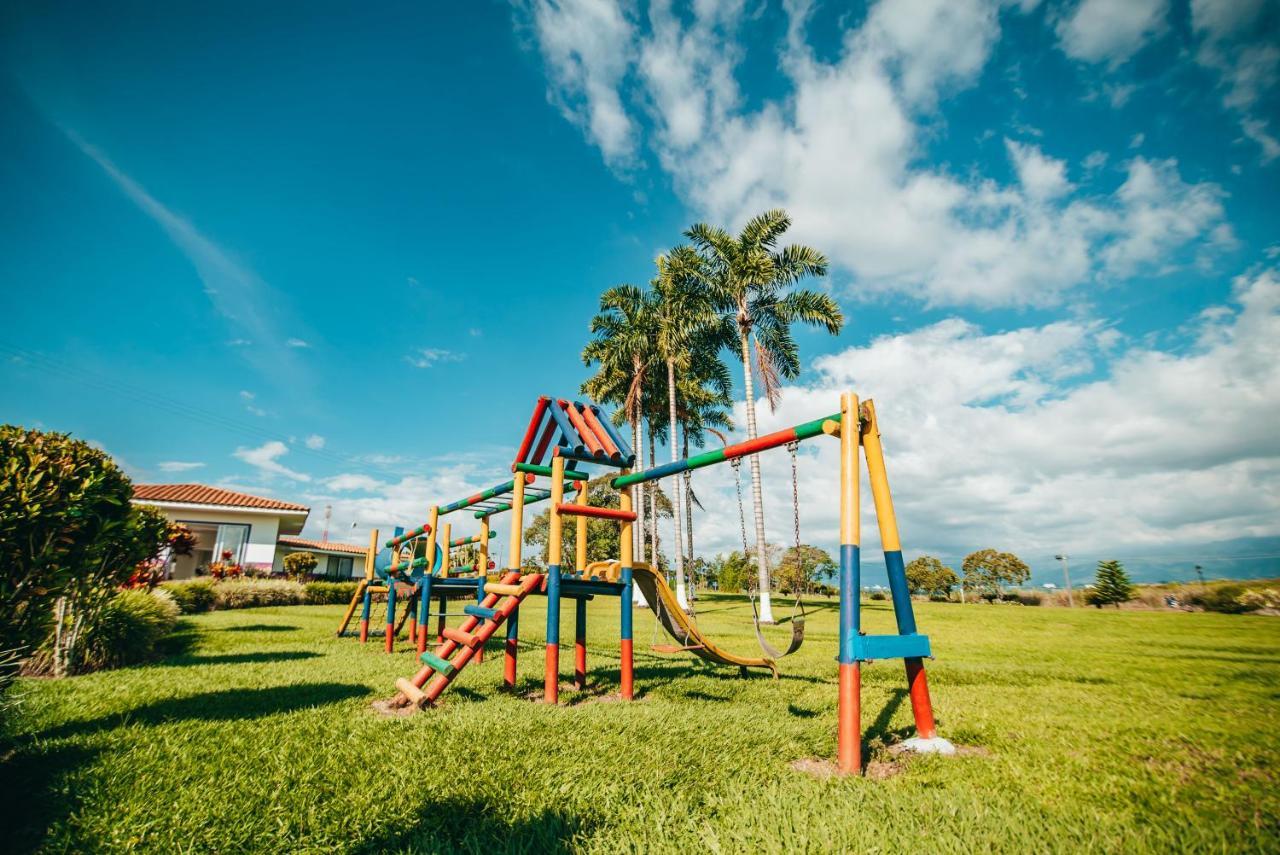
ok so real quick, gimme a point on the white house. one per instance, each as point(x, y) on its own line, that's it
point(337, 560)
point(257, 531)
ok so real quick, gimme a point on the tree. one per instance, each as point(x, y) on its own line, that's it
point(928, 575)
point(623, 347)
point(300, 565)
point(67, 528)
point(751, 281)
point(987, 570)
point(1111, 585)
point(733, 572)
point(800, 569)
point(602, 535)
point(686, 320)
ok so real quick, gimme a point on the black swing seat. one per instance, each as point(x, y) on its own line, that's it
point(797, 639)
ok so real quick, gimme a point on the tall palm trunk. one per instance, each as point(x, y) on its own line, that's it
point(757, 497)
point(682, 594)
point(688, 513)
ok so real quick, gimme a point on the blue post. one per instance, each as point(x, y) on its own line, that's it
point(424, 611)
point(902, 610)
point(551, 675)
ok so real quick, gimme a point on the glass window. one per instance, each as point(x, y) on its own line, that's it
point(232, 537)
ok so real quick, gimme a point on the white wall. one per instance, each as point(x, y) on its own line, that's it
point(264, 529)
point(357, 561)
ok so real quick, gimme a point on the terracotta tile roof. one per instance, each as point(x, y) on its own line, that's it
point(328, 545)
point(199, 494)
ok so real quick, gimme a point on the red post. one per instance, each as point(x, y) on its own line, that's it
point(628, 676)
point(921, 706)
point(849, 740)
point(580, 645)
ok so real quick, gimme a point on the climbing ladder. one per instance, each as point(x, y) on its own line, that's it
point(501, 599)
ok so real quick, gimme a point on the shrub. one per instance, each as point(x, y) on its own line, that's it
point(328, 593)
point(1026, 598)
point(192, 596)
point(1261, 598)
point(878, 595)
point(251, 593)
point(67, 529)
point(300, 565)
point(939, 598)
point(124, 631)
point(1227, 599)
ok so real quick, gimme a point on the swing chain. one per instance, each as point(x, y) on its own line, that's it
point(795, 494)
point(742, 514)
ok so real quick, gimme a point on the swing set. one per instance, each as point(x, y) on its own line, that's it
point(572, 434)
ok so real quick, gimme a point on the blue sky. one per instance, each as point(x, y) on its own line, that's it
point(334, 254)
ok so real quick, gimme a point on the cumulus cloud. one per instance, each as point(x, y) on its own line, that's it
point(266, 459)
point(996, 438)
point(842, 153)
point(354, 481)
point(1243, 52)
point(1111, 31)
point(587, 44)
point(315, 442)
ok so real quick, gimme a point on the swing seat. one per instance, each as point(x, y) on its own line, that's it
point(676, 648)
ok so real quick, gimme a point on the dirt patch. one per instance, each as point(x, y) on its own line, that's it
point(824, 770)
point(815, 767)
point(393, 708)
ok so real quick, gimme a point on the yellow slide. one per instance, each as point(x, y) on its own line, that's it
point(673, 619)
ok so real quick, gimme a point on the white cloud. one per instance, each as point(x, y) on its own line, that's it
point(588, 46)
point(315, 442)
point(250, 407)
point(297, 343)
point(266, 457)
point(843, 154)
point(1041, 177)
point(426, 357)
point(178, 466)
point(349, 481)
point(993, 439)
point(1245, 56)
point(1111, 30)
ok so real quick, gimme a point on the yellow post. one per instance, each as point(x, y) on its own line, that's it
point(433, 518)
point(370, 556)
point(581, 533)
point(514, 557)
point(482, 555)
point(446, 560)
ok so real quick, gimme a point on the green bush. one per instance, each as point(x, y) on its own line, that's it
point(329, 593)
point(193, 596)
point(1026, 598)
point(1227, 599)
point(251, 593)
point(878, 595)
point(127, 629)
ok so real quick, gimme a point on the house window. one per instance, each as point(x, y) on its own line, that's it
point(339, 567)
point(212, 539)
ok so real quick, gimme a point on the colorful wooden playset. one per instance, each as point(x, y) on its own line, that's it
point(562, 437)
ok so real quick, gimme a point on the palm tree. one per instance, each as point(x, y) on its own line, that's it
point(623, 333)
point(684, 317)
point(752, 281)
point(705, 399)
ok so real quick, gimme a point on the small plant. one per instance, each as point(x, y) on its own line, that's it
point(226, 568)
point(300, 565)
point(252, 593)
point(1260, 598)
point(193, 596)
point(878, 595)
point(124, 631)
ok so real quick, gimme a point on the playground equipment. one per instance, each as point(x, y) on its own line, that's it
point(583, 436)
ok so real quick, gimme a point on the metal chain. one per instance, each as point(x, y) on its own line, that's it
point(795, 493)
point(742, 515)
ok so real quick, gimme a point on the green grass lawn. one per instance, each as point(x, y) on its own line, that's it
point(1098, 730)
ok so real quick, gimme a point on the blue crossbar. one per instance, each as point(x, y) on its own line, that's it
point(480, 612)
point(868, 647)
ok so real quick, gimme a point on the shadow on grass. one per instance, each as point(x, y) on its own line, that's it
point(29, 779)
point(879, 728)
point(460, 825)
point(801, 712)
point(263, 627)
point(225, 705)
point(189, 660)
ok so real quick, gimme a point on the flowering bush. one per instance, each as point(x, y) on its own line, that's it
point(226, 568)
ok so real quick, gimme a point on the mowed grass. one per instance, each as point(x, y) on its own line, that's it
point(1085, 729)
